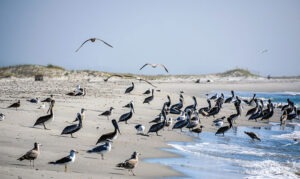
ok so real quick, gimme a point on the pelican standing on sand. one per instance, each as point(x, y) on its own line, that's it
point(224, 129)
point(31, 154)
point(75, 127)
point(93, 40)
point(15, 105)
point(131, 163)
point(111, 135)
point(46, 119)
point(66, 160)
point(125, 117)
point(102, 149)
point(129, 89)
point(150, 98)
point(153, 65)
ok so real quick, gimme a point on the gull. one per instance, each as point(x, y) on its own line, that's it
point(130, 163)
point(66, 160)
point(93, 40)
point(31, 154)
point(155, 65)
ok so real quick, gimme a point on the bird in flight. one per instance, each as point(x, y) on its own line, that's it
point(155, 65)
point(93, 40)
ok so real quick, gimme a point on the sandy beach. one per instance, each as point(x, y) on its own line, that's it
point(17, 134)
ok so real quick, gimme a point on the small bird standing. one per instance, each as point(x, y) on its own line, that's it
point(102, 149)
point(130, 163)
point(66, 160)
point(107, 113)
point(32, 154)
point(15, 105)
point(93, 40)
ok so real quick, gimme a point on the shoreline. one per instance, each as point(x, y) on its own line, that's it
point(100, 96)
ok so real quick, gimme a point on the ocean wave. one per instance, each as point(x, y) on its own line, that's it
point(293, 136)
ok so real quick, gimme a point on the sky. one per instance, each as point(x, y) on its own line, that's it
point(187, 36)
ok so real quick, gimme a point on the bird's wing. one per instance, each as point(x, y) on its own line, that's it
point(69, 129)
point(131, 162)
point(144, 65)
point(146, 82)
point(82, 44)
point(104, 42)
point(63, 160)
point(164, 67)
point(99, 148)
point(112, 76)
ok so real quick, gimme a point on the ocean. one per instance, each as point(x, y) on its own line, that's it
point(235, 155)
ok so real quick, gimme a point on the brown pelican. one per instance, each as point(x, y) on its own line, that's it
point(148, 91)
point(228, 100)
point(252, 135)
point(125, 117)
point(102, 149)
point(193, 106)
point(107, 113)
point(130, 163)
point(66, 160)
point(158, 126)
point(150, 98)
point(48, 100)
point(47, 118)
point(155, 65)
point(15, 105)
point(75, 127)
point(252, 110)
point(129, 89)
point(93, 40)
point(32, 154)
point(111, 135)
point(224, 129)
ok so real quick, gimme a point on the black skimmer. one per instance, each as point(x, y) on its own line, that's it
point(93, 40)
point(112, 135)
point(102, 149)
point(47, 118)
point(15, 105)
point(153, 65)
point(129, 89)
point(75, 127)
point(150, 98)
point(224, 129)
point(32, 154)
point(125, 117)
point(228, 100)
point(252, 135)
point(130, 163)
point(107, 113)
point(66, 160)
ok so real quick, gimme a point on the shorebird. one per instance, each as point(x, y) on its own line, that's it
point(93, 40)
point(31, 154)
point(198, 130)
point(2, 116)
point(106, 79)
point(148, 91)
point(15, 105)
point(219, 122)
point(130, 163)
point(129, 89)
point(139, 128)
point(66, 160)
point(47, 118)
point(224, 129)
point(111, 135)
point(228, 100)
point(75, 127)
point(34, 100)
point(252, 135)
point(82, 92)
point(153, 65)
point(102, 149)
point(125, 117)
point(158, 126)
point(150, 98)
point(48, 100)
point(107, 113)
point(193, 106)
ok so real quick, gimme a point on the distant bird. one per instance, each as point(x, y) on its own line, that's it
point(47, 118)
point(264, 51)
point(130, 163)
point(224, 129)
point(2, 116)
point(75, 127)
point(158, 126)
point(128, 105)
point(107, 113)
point(34, 100)
point(15, 105)
point(155, 65)
point(213, 97)
point(129, 89)
point(219, 122)
point(102, 149)
point(111, 135)
point(198, 130)
point(168, 103)
point(150, 98)
point(82, 92)
point(283, 117)
point(139, 128)
point(125, 117)
point(93, 40)
point(252, 135)
point(32, 154)
point(148, 91)
point(42, 106)
point(66, 160)
point(115, 75)
point(228, 100)
point(48, 100)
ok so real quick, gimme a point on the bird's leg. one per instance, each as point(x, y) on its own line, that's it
point(102, 156)
point(33, 163)
point(66, 169)
point(157, 134)
point(132, 173)
point(72, 136)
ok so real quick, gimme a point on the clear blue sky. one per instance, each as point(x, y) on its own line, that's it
point(188, 36)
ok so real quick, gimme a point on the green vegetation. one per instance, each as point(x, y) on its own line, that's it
point(238, 72)
point(55, 67)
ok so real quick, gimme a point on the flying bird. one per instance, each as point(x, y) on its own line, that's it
point(155, 65)
point(93, 40)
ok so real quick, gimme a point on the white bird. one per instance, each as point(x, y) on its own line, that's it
point(140, 128)
point(93, 40)
point(102, 149)
point(66, 160)
point(155, 65)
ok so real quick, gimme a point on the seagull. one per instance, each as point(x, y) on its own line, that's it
point(131, 163)
point(155, 65)
point(15, 105)
point(32, 154)
point(101, 149)
point(66, 160)
point(93, 40)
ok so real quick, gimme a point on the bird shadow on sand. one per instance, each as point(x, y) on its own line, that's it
point(113, 173)
point(143, 134)
point(91, 158)
point(18, 164)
